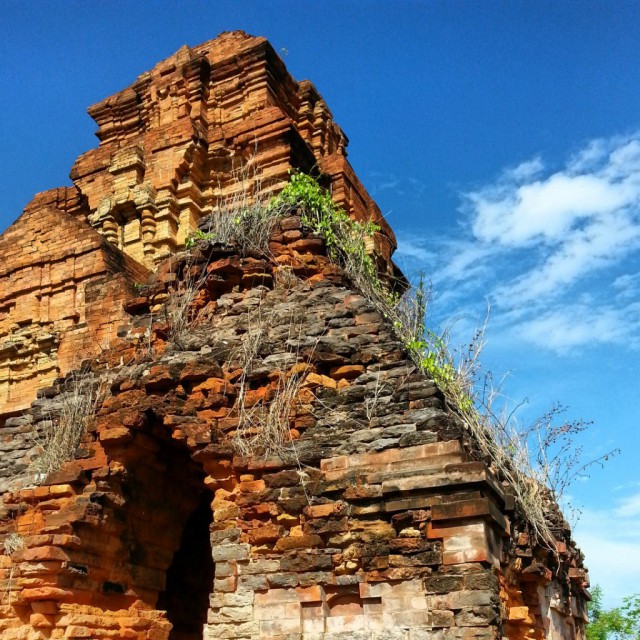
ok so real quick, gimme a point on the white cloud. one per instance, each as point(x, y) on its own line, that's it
point(407, 186)
point(525, 170)
point(588, 158)
point(612, 552)
point(627, 285)
point(519, 215)
point(553, 249)
point(414, 249)
point(562, 330)
point(629, 506)
point(466, 262)
point(627, 485)
point(598, 245)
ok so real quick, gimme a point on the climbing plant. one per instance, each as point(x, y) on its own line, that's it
point(539, 460)
point(346, 239)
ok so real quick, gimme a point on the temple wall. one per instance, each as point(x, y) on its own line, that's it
point(61, 294)
point(269, 465)
point(373, 520)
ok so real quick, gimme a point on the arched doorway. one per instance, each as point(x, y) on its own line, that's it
point(164, 514)
point(190, 576)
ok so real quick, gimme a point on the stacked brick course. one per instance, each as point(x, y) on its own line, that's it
point(61, 293)
point(376, 517)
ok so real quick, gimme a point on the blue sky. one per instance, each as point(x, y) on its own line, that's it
point(502, 140)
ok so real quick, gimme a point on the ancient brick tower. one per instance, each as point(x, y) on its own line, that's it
point(377, 520)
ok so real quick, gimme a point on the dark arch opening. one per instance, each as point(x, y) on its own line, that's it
point(190, 576)
point(163, 517)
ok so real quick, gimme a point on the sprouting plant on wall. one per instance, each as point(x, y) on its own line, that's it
point(264, 429)
point(198, 236)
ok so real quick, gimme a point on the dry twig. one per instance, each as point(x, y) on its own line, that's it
point(78, 405)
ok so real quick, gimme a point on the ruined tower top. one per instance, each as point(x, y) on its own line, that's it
point(170, 145)
point(238, 441)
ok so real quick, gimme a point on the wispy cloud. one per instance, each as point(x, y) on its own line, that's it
point(627, 286)
point(629, 507)
point(408, 186)
point(613, 552)
point(415, 250)
point(530, 204)
point(551, 247)
point(564, 329)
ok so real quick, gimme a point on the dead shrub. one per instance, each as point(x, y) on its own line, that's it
point(264, 427)
point(12, 543)
point(77, 408)
point(245, 216)
point(538, 461)
point(180, 309)
point(242, 218)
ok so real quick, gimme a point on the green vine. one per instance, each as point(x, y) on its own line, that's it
point(346, 242)
point(345, 238)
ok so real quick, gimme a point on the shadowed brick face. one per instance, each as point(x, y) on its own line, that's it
point(377, 520)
